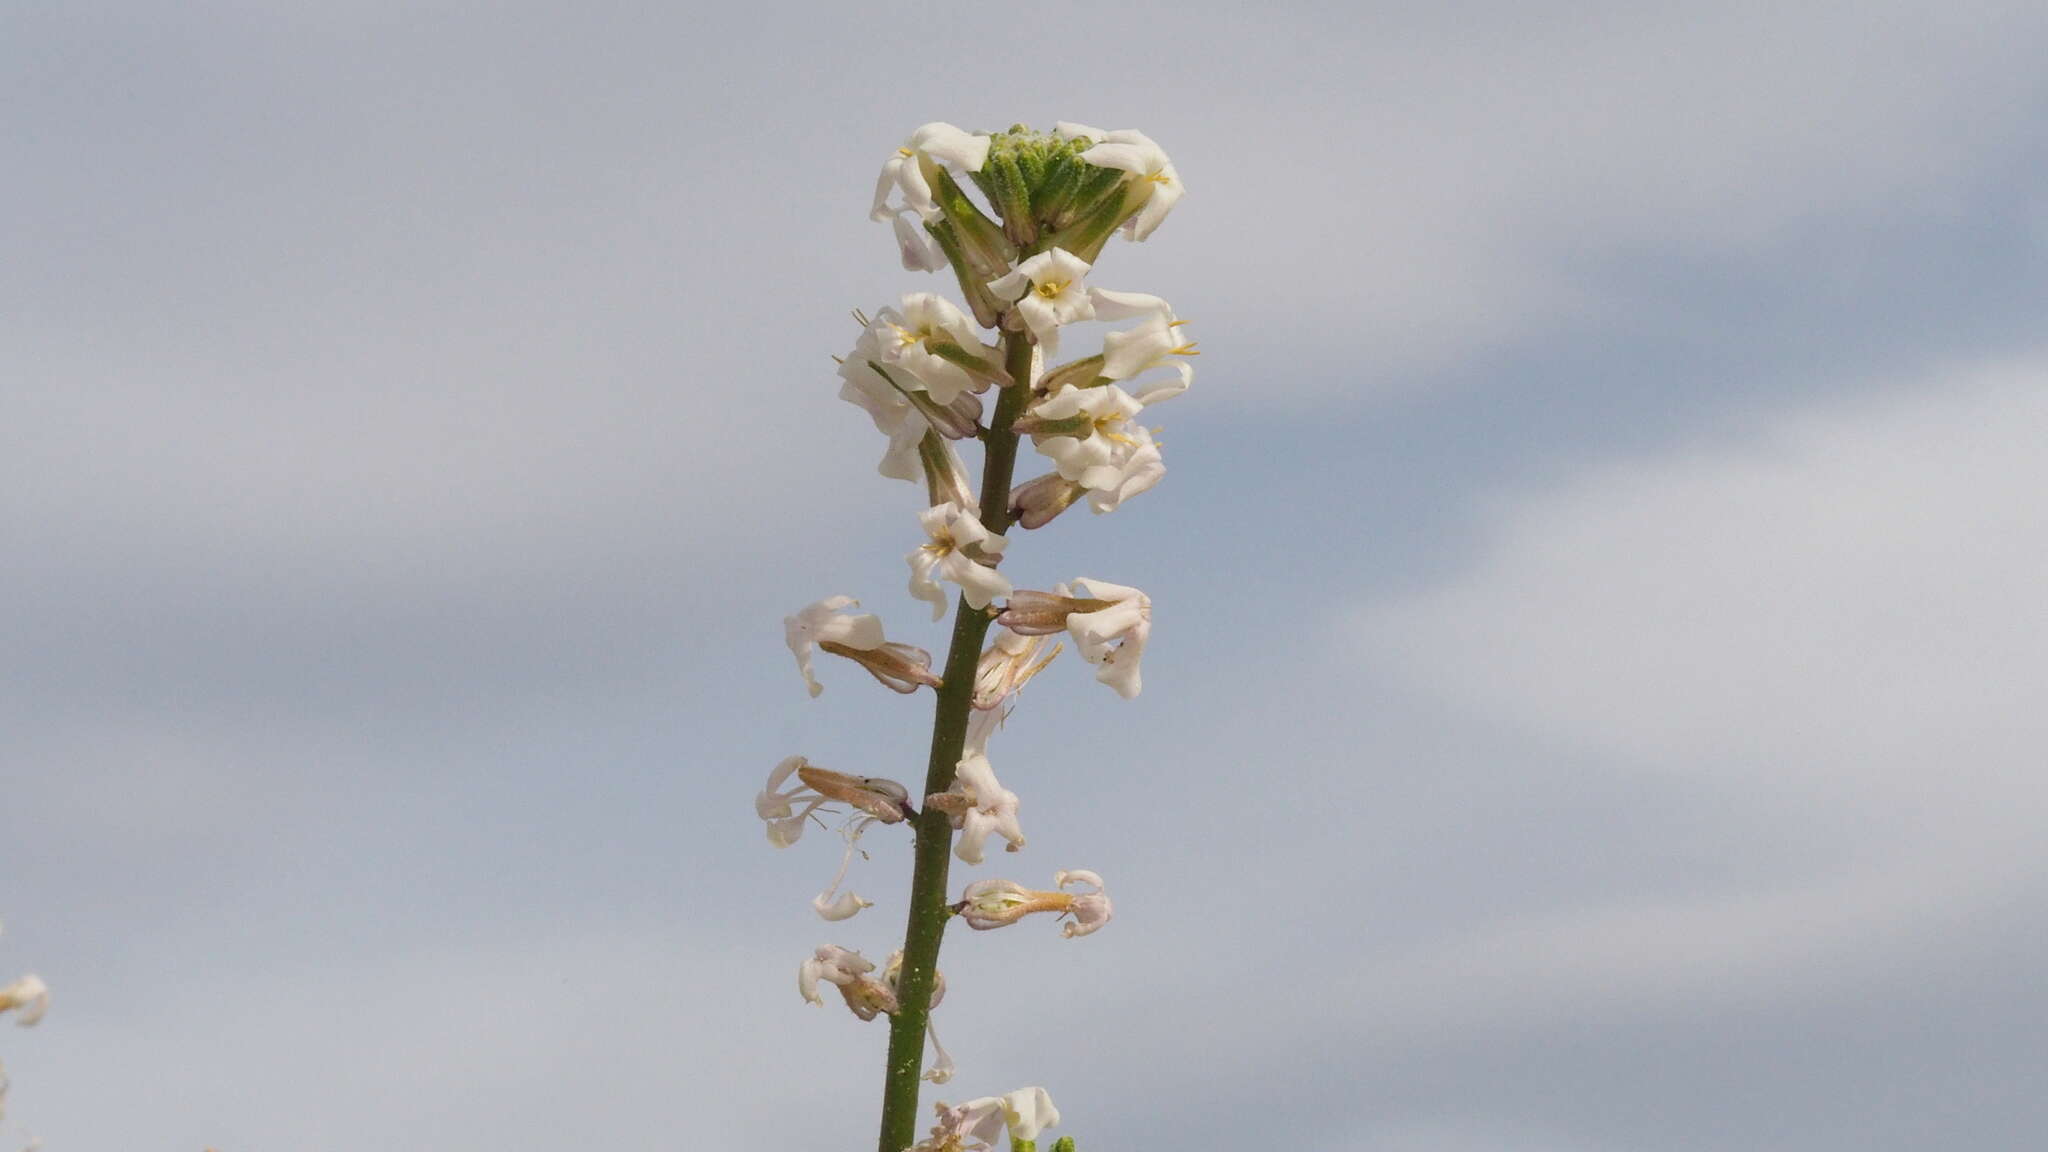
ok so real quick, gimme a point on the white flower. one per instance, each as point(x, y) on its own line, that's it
point(821, 623)
point(1109, 623)
point(893, 413)
point(1113, 638)
point(957, 543)
point(1088, 433)
point(778, 808)
point(1139, 469)
point(906, 337)
point(28, 998)
point(1028, 1111)
point(1048, 292)
point(993, 903)
point(1132, 352)
point(914, 165)
point(978, 804)
point(899, 667)
point(1150, 168)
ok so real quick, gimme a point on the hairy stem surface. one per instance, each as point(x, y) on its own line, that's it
point(928, 913)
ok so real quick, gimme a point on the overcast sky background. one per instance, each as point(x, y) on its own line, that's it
point(1595, 694)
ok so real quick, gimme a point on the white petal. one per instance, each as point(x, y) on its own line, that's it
point(946, 144)
point(1158, 390)
point(885, 184)
point(1134, 158)
point(1112, 305)
point(974, 830)
point(1164, 196)
point(920, 252)
point(922, 562)
point(846, 906)
point(1010, 285)
point(1027, 1111)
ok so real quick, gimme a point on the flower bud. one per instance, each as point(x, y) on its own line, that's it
point(1034, 503)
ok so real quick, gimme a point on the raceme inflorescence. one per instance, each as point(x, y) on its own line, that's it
point(933, 375)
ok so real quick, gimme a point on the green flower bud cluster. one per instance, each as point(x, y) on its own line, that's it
point(1044, 196)
point(1040, 185)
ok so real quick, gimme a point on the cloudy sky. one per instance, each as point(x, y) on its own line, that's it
point(1595, 695)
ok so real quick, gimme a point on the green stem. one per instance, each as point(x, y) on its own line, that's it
point(928, 911)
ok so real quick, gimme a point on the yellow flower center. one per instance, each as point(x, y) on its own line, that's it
point(1051, 288)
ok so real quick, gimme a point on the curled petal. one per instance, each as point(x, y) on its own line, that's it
point(1028, 1111)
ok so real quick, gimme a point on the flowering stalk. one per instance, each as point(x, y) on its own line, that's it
point(928, 905)
point(924, 377)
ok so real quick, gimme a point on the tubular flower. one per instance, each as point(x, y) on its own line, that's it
point(987, 904)
point(28, 998)
point(1132, 352)
point(899, 667)
point(1113, 638)
point(912, 169)
point(1139, 469)
point(978, 804)
point(959, 550)
point(894, 416)
point(933, 344)
point(1153, 185)
point(1086, 432)
point(1048, 292)
point(1109, 623)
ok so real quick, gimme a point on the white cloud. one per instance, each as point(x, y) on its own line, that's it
point(1832, 624)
